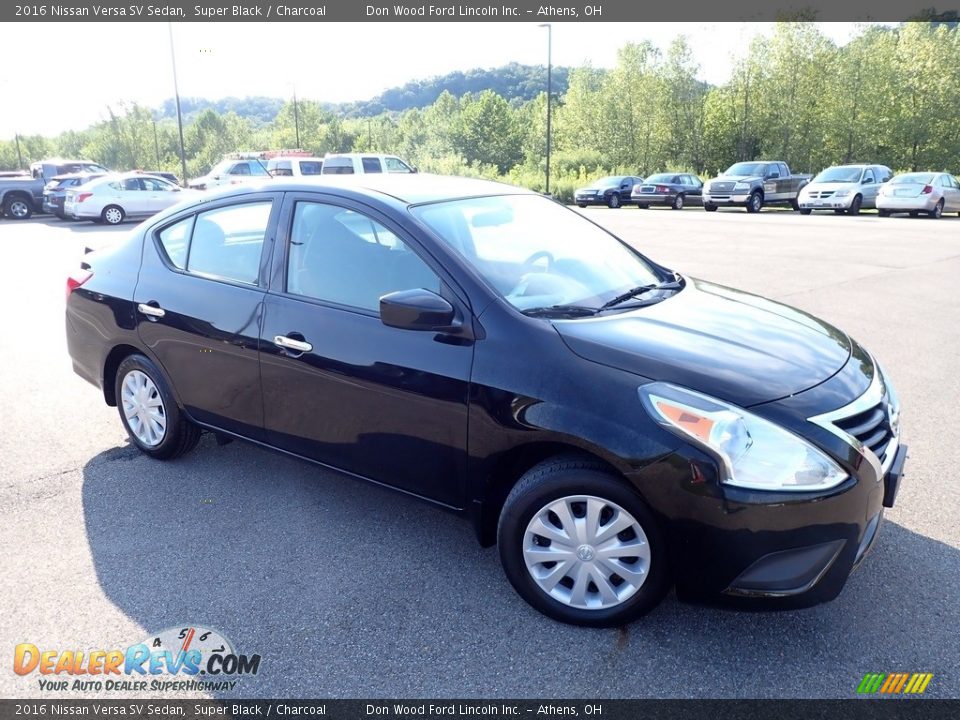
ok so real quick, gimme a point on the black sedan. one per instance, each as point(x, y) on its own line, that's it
point(673, 190)
point(55, 191)
point(612, 191)
point(617, 428)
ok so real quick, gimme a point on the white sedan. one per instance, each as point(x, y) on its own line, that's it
point(920, 192)
point(114, 198)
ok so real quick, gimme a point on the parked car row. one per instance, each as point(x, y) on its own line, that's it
point(843, 189)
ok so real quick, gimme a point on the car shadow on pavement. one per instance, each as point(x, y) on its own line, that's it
point(350, 590)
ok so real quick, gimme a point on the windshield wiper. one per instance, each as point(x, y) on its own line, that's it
point(560, 310)
point(638, 291)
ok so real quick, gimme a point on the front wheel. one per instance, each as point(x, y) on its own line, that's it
point(754, 202)
point(855, 205)
point(709, 207)
point(149, 412)
point(883, 213)
point(581, 205)
point(795, 205)
point(581, 546)
point(613, 202)
point(805, 211)
point(937, 210)
point(678, 202)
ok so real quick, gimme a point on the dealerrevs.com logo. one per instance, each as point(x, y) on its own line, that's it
point(183, 658)
point(894, 683)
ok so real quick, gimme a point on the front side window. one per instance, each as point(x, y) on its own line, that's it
point(240, 169)
point(535, 252)
point(156, 185)
point(396, 165)
point(345, 257)
point(227, 242)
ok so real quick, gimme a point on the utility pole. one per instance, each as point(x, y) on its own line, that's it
point(296, 116)
point(156, 144)
point(16, 137)
point(549, 28)
point(176, 95)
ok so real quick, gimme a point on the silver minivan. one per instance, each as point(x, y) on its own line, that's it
point(844, 189)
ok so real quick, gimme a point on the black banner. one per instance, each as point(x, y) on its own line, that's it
point(472, 11)
point(862, 709)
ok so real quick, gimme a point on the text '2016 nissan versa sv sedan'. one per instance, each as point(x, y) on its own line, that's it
point(617, 428)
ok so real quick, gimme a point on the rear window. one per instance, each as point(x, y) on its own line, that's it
point(913, 178)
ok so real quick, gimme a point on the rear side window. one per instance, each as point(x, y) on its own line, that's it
point(337, 166)
point(175, 240)
point(310, 167)
point(281, 168)
point(371, 165)
point(227, 242)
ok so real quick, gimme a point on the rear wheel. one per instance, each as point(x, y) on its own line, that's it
point(18, 208)
point(149, 412)
point(642, 207)
point(937, 210)
point(581, 205)
point(613, 202)
point(855, 205)
point(883, 213)
point(709, 207)
point(754, 202)
point(914, 213)
point(112, 215)
point(581, 546)
point(805, 211)
point(678, 202)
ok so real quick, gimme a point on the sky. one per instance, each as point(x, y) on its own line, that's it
point(60, 76)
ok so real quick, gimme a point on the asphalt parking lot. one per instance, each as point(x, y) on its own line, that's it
point(349, 590)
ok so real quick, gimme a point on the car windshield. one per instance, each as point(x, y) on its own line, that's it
point(661, 178)
point(913, 179)
point(609, 181)
point(746, 168)
point(839, 175)
point(535, 252)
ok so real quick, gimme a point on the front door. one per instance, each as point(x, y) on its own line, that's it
point(341, 387)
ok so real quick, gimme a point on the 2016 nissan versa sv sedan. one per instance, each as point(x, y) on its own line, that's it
point(615, 427)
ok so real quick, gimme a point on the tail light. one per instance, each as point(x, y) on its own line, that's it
point(76, 279)
point(927, 189)
point(83, 196)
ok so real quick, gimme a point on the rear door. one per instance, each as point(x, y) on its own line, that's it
point(341, 387)
point(199, 306)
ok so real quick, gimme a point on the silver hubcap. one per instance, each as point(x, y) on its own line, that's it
point(756, 202)
point(586, 552)
point(18, 208)
point(678, 202)
point(143, 408)
point(113, 216)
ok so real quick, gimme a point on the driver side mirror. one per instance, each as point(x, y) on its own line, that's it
point(416, 310)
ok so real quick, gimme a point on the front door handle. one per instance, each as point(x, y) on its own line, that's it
point(292, 344)
point(151, 310)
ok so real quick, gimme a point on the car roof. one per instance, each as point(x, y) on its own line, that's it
point(408, 189)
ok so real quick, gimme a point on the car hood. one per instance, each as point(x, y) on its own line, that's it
point(737, 178)
point(594, 189)
point(730, 344)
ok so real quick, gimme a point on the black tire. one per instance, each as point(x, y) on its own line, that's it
point(755, 202)
point(709, 207)
point(805, 211)
point(562, 477)
point(180, 435)
point(914, 213)
point(883, 213)
point(18, 207)
point(838, 211)
point(113, 215)
point(60, 215)
point(795, 205)
point(937, 211)
point(677, 202)
point(613, 202)
point(855, 205)
point(642, 207)
point(581, 205)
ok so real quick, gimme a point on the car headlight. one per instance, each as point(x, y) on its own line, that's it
point(841, 193)
point(741, 186)
point(752, 452)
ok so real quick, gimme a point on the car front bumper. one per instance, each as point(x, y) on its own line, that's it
point(653, 199)
point(828, 203)
point(590, 200)
point(733, 546)
point(726, 199)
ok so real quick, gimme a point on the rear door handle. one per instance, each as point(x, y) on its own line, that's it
point(151, 310)
point(291, 344)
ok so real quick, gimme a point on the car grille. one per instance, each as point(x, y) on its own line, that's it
point(723, 187)
point(871, 427)
point(821, 194)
